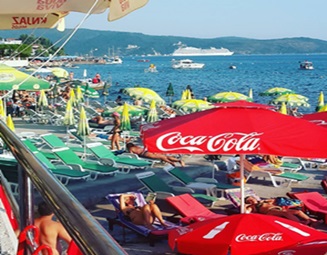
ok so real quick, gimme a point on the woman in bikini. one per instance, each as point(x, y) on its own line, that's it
point(115, 131)
point(269, 207)
point(142, 152)
point(140, 215)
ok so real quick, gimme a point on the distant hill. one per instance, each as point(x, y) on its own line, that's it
point(99, 43)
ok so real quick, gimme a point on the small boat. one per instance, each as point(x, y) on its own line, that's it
point(114, 61)
point(186, 64)
point(151, 69)
point(306, 65)
point(143, 60)
point(232, 67)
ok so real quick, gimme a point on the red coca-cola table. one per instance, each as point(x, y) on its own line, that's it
point(244, 234)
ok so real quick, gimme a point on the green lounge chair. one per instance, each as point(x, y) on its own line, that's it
point(154, 183)
point(80, 139)
point(54, 141)
point(124, 161)
point(64, 173)
point(187, 180)
point(48, 154)
point(68, 157)
point(278, 177)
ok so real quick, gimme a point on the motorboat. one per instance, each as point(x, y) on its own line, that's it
point(114, 61)
point(232, 67)
point(306, 65)
point(186, 64)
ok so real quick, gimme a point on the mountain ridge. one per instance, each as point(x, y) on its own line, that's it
point(99, 43)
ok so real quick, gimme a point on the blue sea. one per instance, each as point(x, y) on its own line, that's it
point(256, 72)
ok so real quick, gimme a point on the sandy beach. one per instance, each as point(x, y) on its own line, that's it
point(92, 193)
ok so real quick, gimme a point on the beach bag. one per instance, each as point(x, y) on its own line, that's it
point(289, 203)
point(235, 178)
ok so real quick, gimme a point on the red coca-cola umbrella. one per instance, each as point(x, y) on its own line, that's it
point(242, 234)
point(319, 118)
point(236, 130)
point(316, 248)
point(244, 104)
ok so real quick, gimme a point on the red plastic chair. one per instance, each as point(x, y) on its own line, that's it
point(73, 249)
point(29, 240)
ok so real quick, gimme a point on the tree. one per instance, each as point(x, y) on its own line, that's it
point(46, 46)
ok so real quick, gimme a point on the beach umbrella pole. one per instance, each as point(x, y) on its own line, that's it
point(67, 127)
point(84, 155)
point(242, 158)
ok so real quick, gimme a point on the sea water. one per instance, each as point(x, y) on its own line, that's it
point(256, 72)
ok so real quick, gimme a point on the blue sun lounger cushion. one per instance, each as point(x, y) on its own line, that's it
point(142, 230)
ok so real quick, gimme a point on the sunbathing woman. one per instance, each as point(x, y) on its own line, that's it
point(142, 152)
point(269, 207)
point(140, 215)
point(101, 121)
point(272, 159)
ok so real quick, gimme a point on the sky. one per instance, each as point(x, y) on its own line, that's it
point(258, 19)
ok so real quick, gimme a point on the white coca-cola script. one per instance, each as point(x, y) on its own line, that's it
point(266, 237)
point(238, 142)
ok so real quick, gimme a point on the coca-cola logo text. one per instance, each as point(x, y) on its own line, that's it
point(239, 142)
point(266, 237)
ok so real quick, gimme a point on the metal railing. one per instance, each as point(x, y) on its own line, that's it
point(88, 234)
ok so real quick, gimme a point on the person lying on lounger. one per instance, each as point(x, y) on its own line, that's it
point(140, 215)
point(142, 152)
point(269, 207)
point(109, 136)
point(101, 121)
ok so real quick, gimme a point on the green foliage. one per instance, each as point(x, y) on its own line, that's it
point(46, 47)
point(22, 51)
point(85, 40)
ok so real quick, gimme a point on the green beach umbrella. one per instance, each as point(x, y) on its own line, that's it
point(144, 94)
point(69, 119)
point(292, 100)
point(125, 120)
point(276, 91)
point(152, 113)
point(250, 93)
point(170, 92)
point(11, 78)
point(72, 98)
point(323, 108)
point(90, 92)
point(283, 109)
point(83, 128)
point(192, 105)
point(10, 123)
point(230, 96)
point(2, 110)
point(79, 95)
point(321, 101)
point(59, 72)
point(133, 110)
point(43, 100)
point(85, 88)
point(184, 95)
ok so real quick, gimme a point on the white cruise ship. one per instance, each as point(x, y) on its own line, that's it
point(192, 51)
